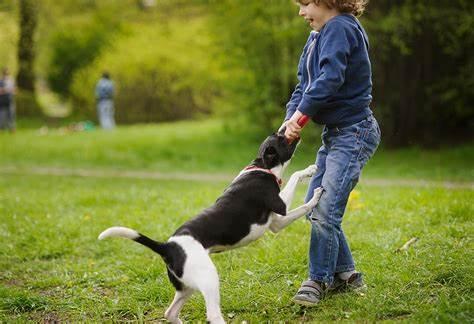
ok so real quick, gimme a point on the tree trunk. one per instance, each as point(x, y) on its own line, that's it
point(26, 100)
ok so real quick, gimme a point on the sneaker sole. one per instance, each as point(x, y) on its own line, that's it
point(305, 303)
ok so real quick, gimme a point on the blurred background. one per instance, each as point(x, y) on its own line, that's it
point(233, 59)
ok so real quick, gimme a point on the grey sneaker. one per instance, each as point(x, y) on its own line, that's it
point(354, 283)
point(310, 293)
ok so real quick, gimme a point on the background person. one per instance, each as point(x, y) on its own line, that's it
point(7, 93)
point(6, 97)
point(104, 93)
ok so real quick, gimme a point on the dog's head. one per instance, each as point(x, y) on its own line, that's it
point(275, 151)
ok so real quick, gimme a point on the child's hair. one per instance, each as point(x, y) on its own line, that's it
point(355, 7)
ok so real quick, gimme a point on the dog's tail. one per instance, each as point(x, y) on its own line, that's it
point(118, 231)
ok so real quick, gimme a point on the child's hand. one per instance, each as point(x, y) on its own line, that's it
point(293, 130)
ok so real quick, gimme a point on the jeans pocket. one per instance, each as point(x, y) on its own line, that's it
point(370, 142)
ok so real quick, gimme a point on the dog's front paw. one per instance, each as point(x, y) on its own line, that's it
point(316, 196)
point(309, 171)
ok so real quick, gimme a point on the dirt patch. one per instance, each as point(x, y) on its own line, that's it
point(13, 283)
point(46, 317)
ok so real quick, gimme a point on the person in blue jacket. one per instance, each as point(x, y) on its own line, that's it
point(334, 89)
point(104, 94)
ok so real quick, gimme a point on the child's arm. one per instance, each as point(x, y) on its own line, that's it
point(335, 48)
point(295, 96)
point(298, 92)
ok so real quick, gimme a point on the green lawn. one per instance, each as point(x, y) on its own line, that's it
point(52, 267)
point(206, 147)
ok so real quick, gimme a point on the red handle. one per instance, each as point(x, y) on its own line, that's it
point(303, 120)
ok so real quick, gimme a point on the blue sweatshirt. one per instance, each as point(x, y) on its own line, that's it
point(334, 73)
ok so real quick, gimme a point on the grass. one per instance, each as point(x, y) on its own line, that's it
point(205, 147)
point(52, 265)
point(52, 268)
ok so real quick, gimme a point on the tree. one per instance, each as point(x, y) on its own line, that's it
point(27, 103)
point(261, 42)
point(421, 53)
point(423, 81)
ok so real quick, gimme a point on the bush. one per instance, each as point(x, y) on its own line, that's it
point(74, 45)
point(27, 104)
point(161, 72)
point(261, 42)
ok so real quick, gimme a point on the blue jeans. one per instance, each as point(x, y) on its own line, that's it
point(340, 160)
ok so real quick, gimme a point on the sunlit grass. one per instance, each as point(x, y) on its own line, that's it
point(52, 265)
point(205, 147)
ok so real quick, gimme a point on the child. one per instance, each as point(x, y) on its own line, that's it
point(334, 89)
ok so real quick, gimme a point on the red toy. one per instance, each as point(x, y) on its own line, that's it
point(303, 120)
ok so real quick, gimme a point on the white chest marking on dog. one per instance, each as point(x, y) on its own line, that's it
point(276, 171)
point(279, 169)
point(254, 170)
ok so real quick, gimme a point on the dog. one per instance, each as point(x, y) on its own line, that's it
point(252, 204)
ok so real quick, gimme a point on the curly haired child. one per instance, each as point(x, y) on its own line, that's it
point(334, 89)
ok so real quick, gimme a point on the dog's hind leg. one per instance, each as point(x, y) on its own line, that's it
point(208, 284)
point(172, 313)
point(200, 274)
point(212, 298)
point(207, 281)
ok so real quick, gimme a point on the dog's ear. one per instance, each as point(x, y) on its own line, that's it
point(270, 157)
point(281, 131)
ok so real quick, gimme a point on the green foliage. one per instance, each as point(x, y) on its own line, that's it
point(172, 62)
point(162, 71)
point(421, 52)
point(261, 41)
point(74, 45)
point(8, 38)
point(27, 104)
point(422, 69)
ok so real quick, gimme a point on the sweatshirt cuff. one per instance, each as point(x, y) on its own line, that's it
point(307, 108)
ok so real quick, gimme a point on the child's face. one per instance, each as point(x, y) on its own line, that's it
point(315, 14)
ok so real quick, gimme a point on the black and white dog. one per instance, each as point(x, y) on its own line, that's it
point(251, 204)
